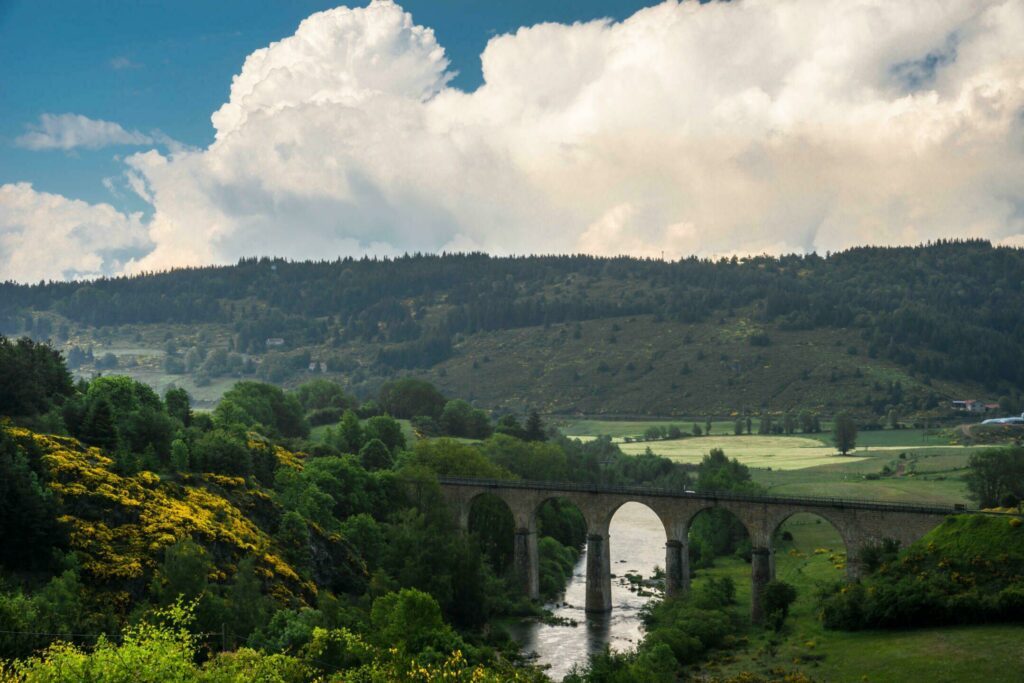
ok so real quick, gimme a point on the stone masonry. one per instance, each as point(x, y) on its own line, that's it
point(859, 524)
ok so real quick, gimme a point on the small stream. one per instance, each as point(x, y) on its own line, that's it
point(637, 545)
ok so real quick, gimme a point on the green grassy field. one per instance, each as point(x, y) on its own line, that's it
point(932, 476)
point(776, 452)
point(967, 653)
point(797, 452)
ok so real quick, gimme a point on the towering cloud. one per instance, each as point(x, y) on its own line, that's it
point(46, 236)
point(749, 126)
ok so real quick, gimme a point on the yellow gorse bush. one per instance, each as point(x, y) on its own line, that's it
point(120, 525)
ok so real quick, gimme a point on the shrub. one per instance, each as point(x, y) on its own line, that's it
point(777, 596)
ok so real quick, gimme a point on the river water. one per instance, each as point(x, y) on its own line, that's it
point(637, 545)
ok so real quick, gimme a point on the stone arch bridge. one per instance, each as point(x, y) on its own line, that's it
point(859, 523)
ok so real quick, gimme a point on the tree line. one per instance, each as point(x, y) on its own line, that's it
point(949, 309)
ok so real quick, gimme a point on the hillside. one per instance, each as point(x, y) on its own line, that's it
point(120, 525)
point(865, 330)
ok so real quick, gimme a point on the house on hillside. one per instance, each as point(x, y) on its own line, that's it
point(971, 405)
point(274, 342)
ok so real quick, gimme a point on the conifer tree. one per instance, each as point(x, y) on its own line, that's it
point(534, 427)
point(99, 429)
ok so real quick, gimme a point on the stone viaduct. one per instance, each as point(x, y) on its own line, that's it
point(860, 523)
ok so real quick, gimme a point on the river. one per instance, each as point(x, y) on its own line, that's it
point(637, 545)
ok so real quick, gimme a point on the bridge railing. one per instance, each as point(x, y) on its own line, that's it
point(704, 495)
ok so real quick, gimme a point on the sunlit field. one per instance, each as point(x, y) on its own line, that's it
point(776, 452)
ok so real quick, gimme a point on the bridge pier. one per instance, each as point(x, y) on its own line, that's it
point(677, 568)
point(860, 523)
point(760, 574)
point(526, 563)
point(599, 574)
point(854, 566)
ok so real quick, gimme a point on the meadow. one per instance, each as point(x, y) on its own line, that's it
point(775, 452)
point(813, 558)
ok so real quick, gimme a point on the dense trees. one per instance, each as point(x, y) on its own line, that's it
point(254, 403)
point(967, 570)
point(949, 309)
point(239, 514)
point(35, 379)
point(28, 512)
point(996, 477)
point(409, 397)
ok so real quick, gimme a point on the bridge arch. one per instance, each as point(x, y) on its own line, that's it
point(801, 524)
point(561, 519)
point(732, 532)
point(664, 516)
point(859, 523)
point(491, 521)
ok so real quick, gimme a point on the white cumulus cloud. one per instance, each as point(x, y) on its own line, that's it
point(740, 127)
point(68, 131)
point(47, 236)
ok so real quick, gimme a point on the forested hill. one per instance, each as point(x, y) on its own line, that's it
point(643, 336)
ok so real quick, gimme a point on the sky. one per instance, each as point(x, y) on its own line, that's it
point(149, 135)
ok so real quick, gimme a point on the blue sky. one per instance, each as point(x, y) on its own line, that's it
point(159, 65)
point(678, 128)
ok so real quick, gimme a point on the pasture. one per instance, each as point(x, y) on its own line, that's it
point(959, 653)
point(775, 452)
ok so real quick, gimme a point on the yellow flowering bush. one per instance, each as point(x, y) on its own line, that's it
point(120, 525)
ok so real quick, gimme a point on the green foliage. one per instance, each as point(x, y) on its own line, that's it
point(410, 620)
point(147, 653)
point(387, 430)
point(528, 459)
point(252, 403)
point(492, 525)
point(968, 570)
point(680, 631)
point(534, 428)
point(510, 426)
point(557, 562)
point(293, 537)
point(777, 597)
point(323, 401)
point(183, 573)
point(844, 433)
point(60, 608)
point(118, 412)
point(179, 456)
point(223, 452)
point(374, 455)
point(179, 405)
point(35, 378)
point(28, 511)
point(409, 397)
point(348, 438)
point(460, 419)
point(449, 457)
point(996, 473)
point(716, 532)
point(563, 521)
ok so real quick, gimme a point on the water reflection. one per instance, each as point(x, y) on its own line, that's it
point(637, 545)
